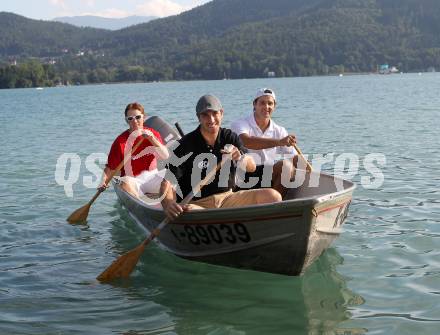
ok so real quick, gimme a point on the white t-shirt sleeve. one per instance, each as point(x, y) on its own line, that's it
point(240, 126)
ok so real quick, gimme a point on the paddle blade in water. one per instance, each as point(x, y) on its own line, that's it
point(80, 215)
point(123, 266)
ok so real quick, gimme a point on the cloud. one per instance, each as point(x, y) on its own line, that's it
point(160, 8)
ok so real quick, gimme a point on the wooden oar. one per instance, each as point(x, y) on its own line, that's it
point(80, 215)
point(298, 150)
point(125, 264)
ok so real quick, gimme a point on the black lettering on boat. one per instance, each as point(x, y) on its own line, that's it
point(200, 230)
point(175, 235)
point(243, 234)
point(215, 234)
point(230, 237)
point(207, 234)
point(191, 234)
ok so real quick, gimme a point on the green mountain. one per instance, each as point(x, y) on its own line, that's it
point(238, 39)
point(23, 37)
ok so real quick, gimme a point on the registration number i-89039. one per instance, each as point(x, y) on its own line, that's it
point(212, 234)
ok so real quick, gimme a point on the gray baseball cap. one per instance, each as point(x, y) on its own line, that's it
point(208, 102)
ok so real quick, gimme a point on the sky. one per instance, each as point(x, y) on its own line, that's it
point(49, 9)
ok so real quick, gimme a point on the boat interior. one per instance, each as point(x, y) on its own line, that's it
point(315, 184)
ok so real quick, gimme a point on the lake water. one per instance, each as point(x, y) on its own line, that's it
point(382, 276)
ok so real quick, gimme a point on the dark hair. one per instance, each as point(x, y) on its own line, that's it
point(134, 105)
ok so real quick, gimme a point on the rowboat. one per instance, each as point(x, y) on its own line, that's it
point(283, 238)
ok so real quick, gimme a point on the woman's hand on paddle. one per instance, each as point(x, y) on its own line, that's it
point(107, 176)
point(148, 134)
point(288, 141)
point(160, 150)
point(102, 187)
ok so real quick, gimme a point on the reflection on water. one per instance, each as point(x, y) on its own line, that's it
point(200, 298)
point(327, 298)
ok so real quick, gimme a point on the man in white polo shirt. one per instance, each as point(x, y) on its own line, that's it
point(268, 141)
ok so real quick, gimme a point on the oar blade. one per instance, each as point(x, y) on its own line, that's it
point(80, 215)
point(123, 266)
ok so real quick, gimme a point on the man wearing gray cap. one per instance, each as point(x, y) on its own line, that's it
point(268, 141)
point(201, 150)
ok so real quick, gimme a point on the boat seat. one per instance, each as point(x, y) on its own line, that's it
point(147, 198)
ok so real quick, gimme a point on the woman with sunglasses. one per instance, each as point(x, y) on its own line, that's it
point(139, 174)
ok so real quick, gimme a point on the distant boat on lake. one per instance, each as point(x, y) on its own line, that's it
point(386, 69)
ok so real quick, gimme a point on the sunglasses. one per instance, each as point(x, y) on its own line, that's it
point(267, 91)
point(131, 118)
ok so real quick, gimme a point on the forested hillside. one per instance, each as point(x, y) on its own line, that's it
point(23, 37)
point(232, 39)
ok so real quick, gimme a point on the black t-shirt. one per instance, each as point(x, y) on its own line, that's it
point(202, 158)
